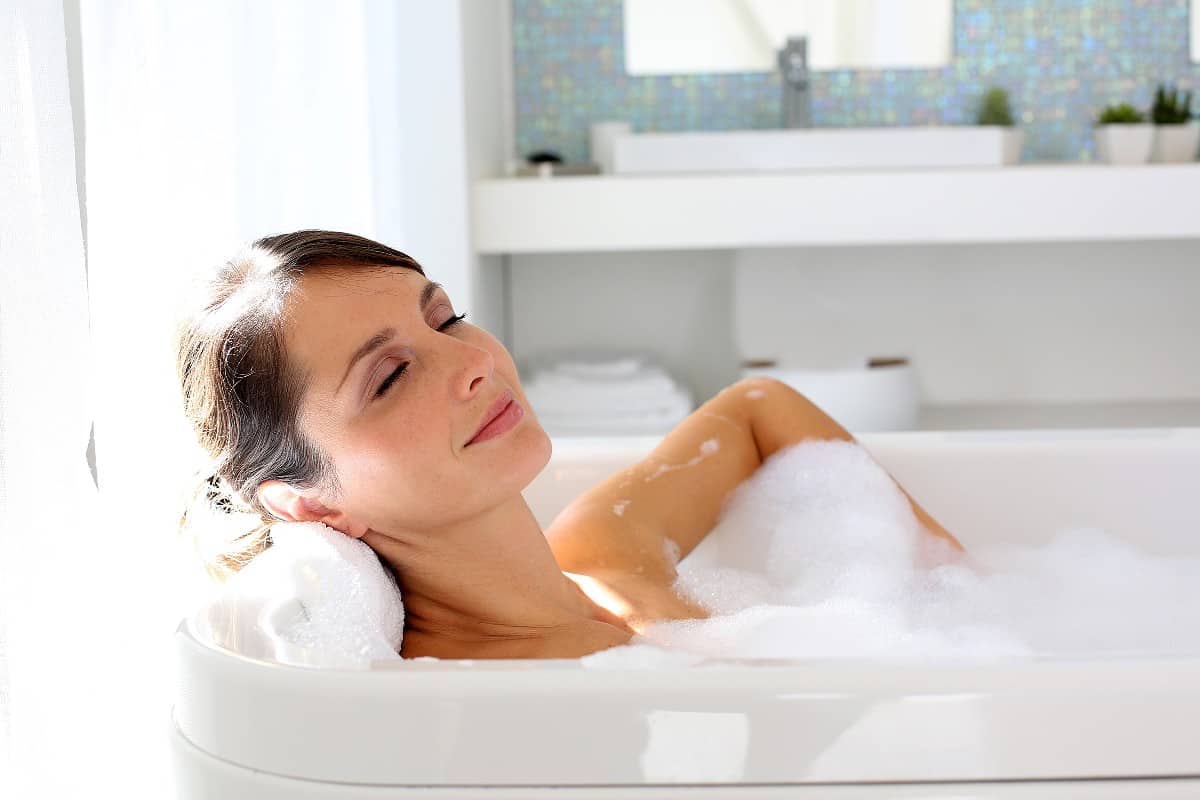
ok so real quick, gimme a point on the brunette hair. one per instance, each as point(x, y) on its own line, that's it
point(242, 396)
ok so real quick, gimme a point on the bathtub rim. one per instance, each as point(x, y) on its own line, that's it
point(1132, 718)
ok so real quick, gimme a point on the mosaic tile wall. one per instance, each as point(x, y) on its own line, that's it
point(1061, 60)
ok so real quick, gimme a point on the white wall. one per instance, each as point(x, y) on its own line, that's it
point(430, 175)
point(673, 304)
point(487, 95)
point(1018, 323)
point(982, 324)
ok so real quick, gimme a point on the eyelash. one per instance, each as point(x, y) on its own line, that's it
point(398, 371)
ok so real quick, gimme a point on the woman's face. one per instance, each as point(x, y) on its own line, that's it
point(397, 389)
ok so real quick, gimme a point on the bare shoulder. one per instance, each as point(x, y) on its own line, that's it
point(640, 520)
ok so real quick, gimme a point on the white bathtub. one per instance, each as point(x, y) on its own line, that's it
point(1048, 728)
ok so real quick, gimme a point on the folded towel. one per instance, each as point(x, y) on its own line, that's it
point(678, 404)
point(621, 367)
point(316, 597)
point(579, 422)
point(635, 427)
point(594, 366)
point(645, 385)
point(573, 393)
point(604, 394)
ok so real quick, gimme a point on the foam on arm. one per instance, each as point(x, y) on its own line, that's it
point(780, 416)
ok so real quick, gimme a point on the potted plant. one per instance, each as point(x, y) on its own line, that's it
point(1176, 135)
point(1123, 136)
point(995, 110)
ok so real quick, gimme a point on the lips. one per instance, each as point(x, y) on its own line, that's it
point(493, 412)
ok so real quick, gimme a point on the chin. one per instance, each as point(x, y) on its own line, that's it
point(541, 444)
point(538, 444)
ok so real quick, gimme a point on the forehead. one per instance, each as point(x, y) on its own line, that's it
point(329, 313)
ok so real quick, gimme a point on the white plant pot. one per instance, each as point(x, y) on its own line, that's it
point(1014, 142)
point(1176, 143)
point(1124, 144)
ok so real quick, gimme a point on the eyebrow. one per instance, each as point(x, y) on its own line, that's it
point(385, 335)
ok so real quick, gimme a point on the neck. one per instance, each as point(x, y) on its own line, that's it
point(489, 585)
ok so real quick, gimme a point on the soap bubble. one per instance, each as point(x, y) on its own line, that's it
point(820, 556)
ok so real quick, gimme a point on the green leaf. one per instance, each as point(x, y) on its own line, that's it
point(1120, 114)
point(1170, 108)
point(995, 108)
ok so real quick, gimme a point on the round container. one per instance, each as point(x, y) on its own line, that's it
point(875, 395)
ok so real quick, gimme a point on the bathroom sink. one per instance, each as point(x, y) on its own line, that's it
point(816, 148)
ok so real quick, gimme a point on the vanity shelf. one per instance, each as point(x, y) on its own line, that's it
point(1030, 203)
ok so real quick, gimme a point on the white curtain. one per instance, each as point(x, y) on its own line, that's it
point(207, 124)
point(48, 552)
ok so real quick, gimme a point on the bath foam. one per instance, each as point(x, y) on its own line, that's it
point(822, 557)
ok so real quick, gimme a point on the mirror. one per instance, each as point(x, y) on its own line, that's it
point(702, 36)
point(1195, 26)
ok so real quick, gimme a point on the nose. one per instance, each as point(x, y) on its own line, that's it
point(475, 368)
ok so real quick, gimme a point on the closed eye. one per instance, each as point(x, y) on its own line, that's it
point(390, 379)
point(395, 374)
point(450, 323)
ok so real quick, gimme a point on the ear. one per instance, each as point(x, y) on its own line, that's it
point(287, 503)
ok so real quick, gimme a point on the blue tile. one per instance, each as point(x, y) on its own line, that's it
point(1061, 60)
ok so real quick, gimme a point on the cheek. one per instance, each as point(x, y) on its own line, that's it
point(389, 485)
point(407, 485)
point(391, 454)
point(382, 454)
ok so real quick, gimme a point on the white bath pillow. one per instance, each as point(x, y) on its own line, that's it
point(316, 597)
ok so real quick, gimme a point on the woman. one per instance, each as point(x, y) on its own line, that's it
point(331, 381)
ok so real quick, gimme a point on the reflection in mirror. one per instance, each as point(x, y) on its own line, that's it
point(702, 36)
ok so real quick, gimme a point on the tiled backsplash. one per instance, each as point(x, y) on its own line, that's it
point(1061, 60)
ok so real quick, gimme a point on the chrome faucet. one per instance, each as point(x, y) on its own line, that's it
point(793, 69)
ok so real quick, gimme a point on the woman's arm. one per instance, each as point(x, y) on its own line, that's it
point(674, 495)
point(781, 416)
point(677, 491)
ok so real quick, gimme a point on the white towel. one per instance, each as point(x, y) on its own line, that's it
point(577, 422)
point(665, 406)
point(316, 597)
point(592, 363)
point(599, 391)
point(631, 427)
point(559, 391)
point(620, 367)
